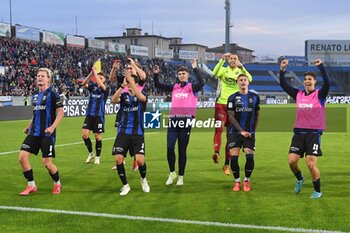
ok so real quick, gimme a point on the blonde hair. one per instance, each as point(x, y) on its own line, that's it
point(47, 71)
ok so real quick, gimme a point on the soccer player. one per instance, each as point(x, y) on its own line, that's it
point(41, 132)
point(226, 86)
point(95, 113)
point(130, 136)
point(309, 123)
point(116, 75)
point(243, 112)
point(183, 109)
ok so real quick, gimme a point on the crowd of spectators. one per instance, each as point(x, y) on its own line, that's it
point(22, 58)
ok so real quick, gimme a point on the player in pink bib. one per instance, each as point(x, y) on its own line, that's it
point(182, 110)
point(309, 123)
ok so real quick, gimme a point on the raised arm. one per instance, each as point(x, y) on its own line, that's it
point(196, 87)
point(116, 97)
point(283, 83)
point(139, 71)
point(98, 80)
point(86, 80)
point(114, 70)
point(324, 90)
point(132, 85)
point(218, 69)
point(157, 84)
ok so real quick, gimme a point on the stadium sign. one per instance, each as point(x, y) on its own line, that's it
point(205, 104)
point(209, 56)
point(97, 44)
point(186, 54)
point(164, 53)
point(75, 41)
point(272, 100)
point(338, 100)
point(331, 52)
point(156, 99)
point(295, 60)
point(138, 50)
point(77, 107)
point(5, 98)
point(116, 48)
point(27, 33)
point(5, 101)
point(5, 30)
point(53, 38)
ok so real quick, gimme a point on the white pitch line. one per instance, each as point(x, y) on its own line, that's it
point(68, 144)
point(168, 220)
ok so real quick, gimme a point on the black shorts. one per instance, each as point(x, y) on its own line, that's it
point(94, 123)
point(32, 144)
point(308, 143)
point(123, 143)
point(238, 141)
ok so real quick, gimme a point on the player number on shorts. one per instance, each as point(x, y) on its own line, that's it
point(315, 147)
point(50, 150)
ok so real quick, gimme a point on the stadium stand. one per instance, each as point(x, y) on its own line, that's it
point(69, 65)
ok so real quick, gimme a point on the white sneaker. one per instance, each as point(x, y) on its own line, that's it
point(97, 160)
point(145, 186)
point(171, 178)
point(180, 180)
point(125, 190)
point(90, 157)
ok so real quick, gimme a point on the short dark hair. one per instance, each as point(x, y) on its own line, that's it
point(102, 74)
point(312, 74)
point(236, 54)
point(183, 68)
point(242, 75)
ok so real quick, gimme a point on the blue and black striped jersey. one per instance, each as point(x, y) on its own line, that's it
point(97, 100)
point(131, 121)
point(44, 111)
point(245, 108)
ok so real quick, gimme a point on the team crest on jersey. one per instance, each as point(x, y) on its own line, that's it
point(250, 100)
point(44, 98)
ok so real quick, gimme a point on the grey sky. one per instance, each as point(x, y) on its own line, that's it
point(266, 26)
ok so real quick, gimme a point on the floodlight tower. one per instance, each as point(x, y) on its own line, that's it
point(10, 12)
point(227, 25)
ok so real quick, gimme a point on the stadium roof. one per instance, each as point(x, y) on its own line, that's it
point(190, 44)
point(233, 47)
point(133, 36)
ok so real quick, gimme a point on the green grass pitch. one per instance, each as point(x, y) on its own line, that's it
point(205, 196)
